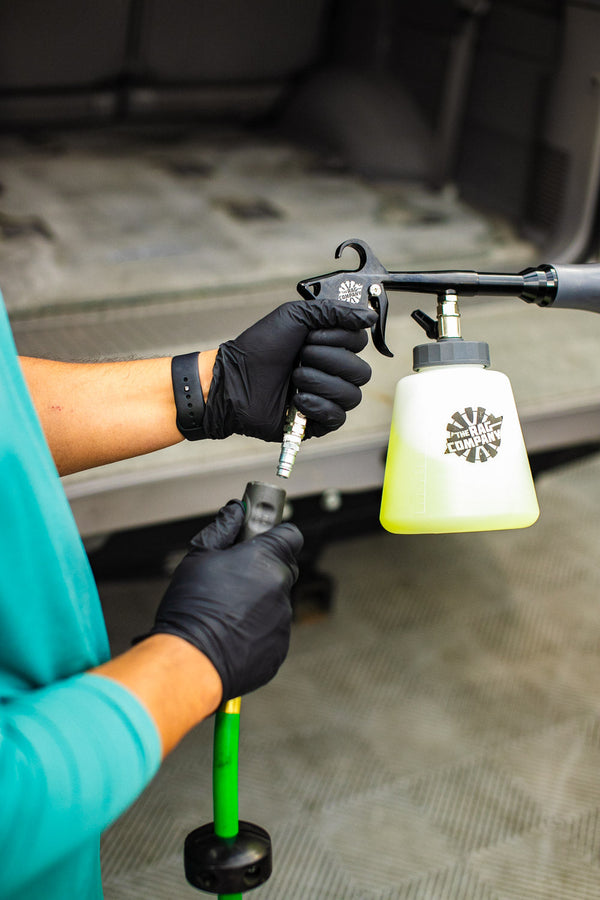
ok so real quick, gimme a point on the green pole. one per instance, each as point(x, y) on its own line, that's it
point(264, 509)
point(225, 774)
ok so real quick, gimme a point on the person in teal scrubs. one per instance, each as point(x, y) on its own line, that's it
point(81, 734)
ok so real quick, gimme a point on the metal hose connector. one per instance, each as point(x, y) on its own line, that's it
point(293, 433)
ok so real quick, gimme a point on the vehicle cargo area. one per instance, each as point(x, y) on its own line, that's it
point(160, 196)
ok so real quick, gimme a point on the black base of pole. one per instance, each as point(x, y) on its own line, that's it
point(219, 865)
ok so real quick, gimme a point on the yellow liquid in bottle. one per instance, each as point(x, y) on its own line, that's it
point(425, 493)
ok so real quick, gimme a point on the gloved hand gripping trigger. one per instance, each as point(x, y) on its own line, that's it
point(362, 287)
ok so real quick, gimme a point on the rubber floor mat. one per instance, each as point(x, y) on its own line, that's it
point(436, 736)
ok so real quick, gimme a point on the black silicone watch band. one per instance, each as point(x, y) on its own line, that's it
point(189, 399)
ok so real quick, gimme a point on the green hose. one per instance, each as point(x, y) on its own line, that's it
point(263, 504)
point(225, 774)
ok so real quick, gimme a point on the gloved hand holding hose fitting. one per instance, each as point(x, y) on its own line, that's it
point(232, 601)
point(255, 374)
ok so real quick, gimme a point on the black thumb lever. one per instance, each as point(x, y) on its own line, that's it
point(429, 325)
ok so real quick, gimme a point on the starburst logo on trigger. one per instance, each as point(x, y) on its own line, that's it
point(474, 434)
point(350, 291)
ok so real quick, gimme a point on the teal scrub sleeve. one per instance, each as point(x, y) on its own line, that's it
point(73, 756)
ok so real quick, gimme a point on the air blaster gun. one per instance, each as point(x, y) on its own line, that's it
point(560, 287)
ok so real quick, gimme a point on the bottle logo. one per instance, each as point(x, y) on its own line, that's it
point(474, 434)
point(350, 291)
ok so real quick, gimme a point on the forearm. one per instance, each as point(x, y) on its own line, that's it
point(175, 682)
point(76, 754)
point(73, 757)
point(97, 413)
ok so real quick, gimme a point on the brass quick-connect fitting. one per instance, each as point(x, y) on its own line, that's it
point(293, 432)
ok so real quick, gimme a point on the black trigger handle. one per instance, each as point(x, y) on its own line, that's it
point(379, 302)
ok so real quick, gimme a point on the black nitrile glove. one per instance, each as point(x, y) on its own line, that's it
point(328, 378)
point(255, 375)
point(232, 601)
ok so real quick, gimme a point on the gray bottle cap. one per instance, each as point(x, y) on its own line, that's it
point(451, 352)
